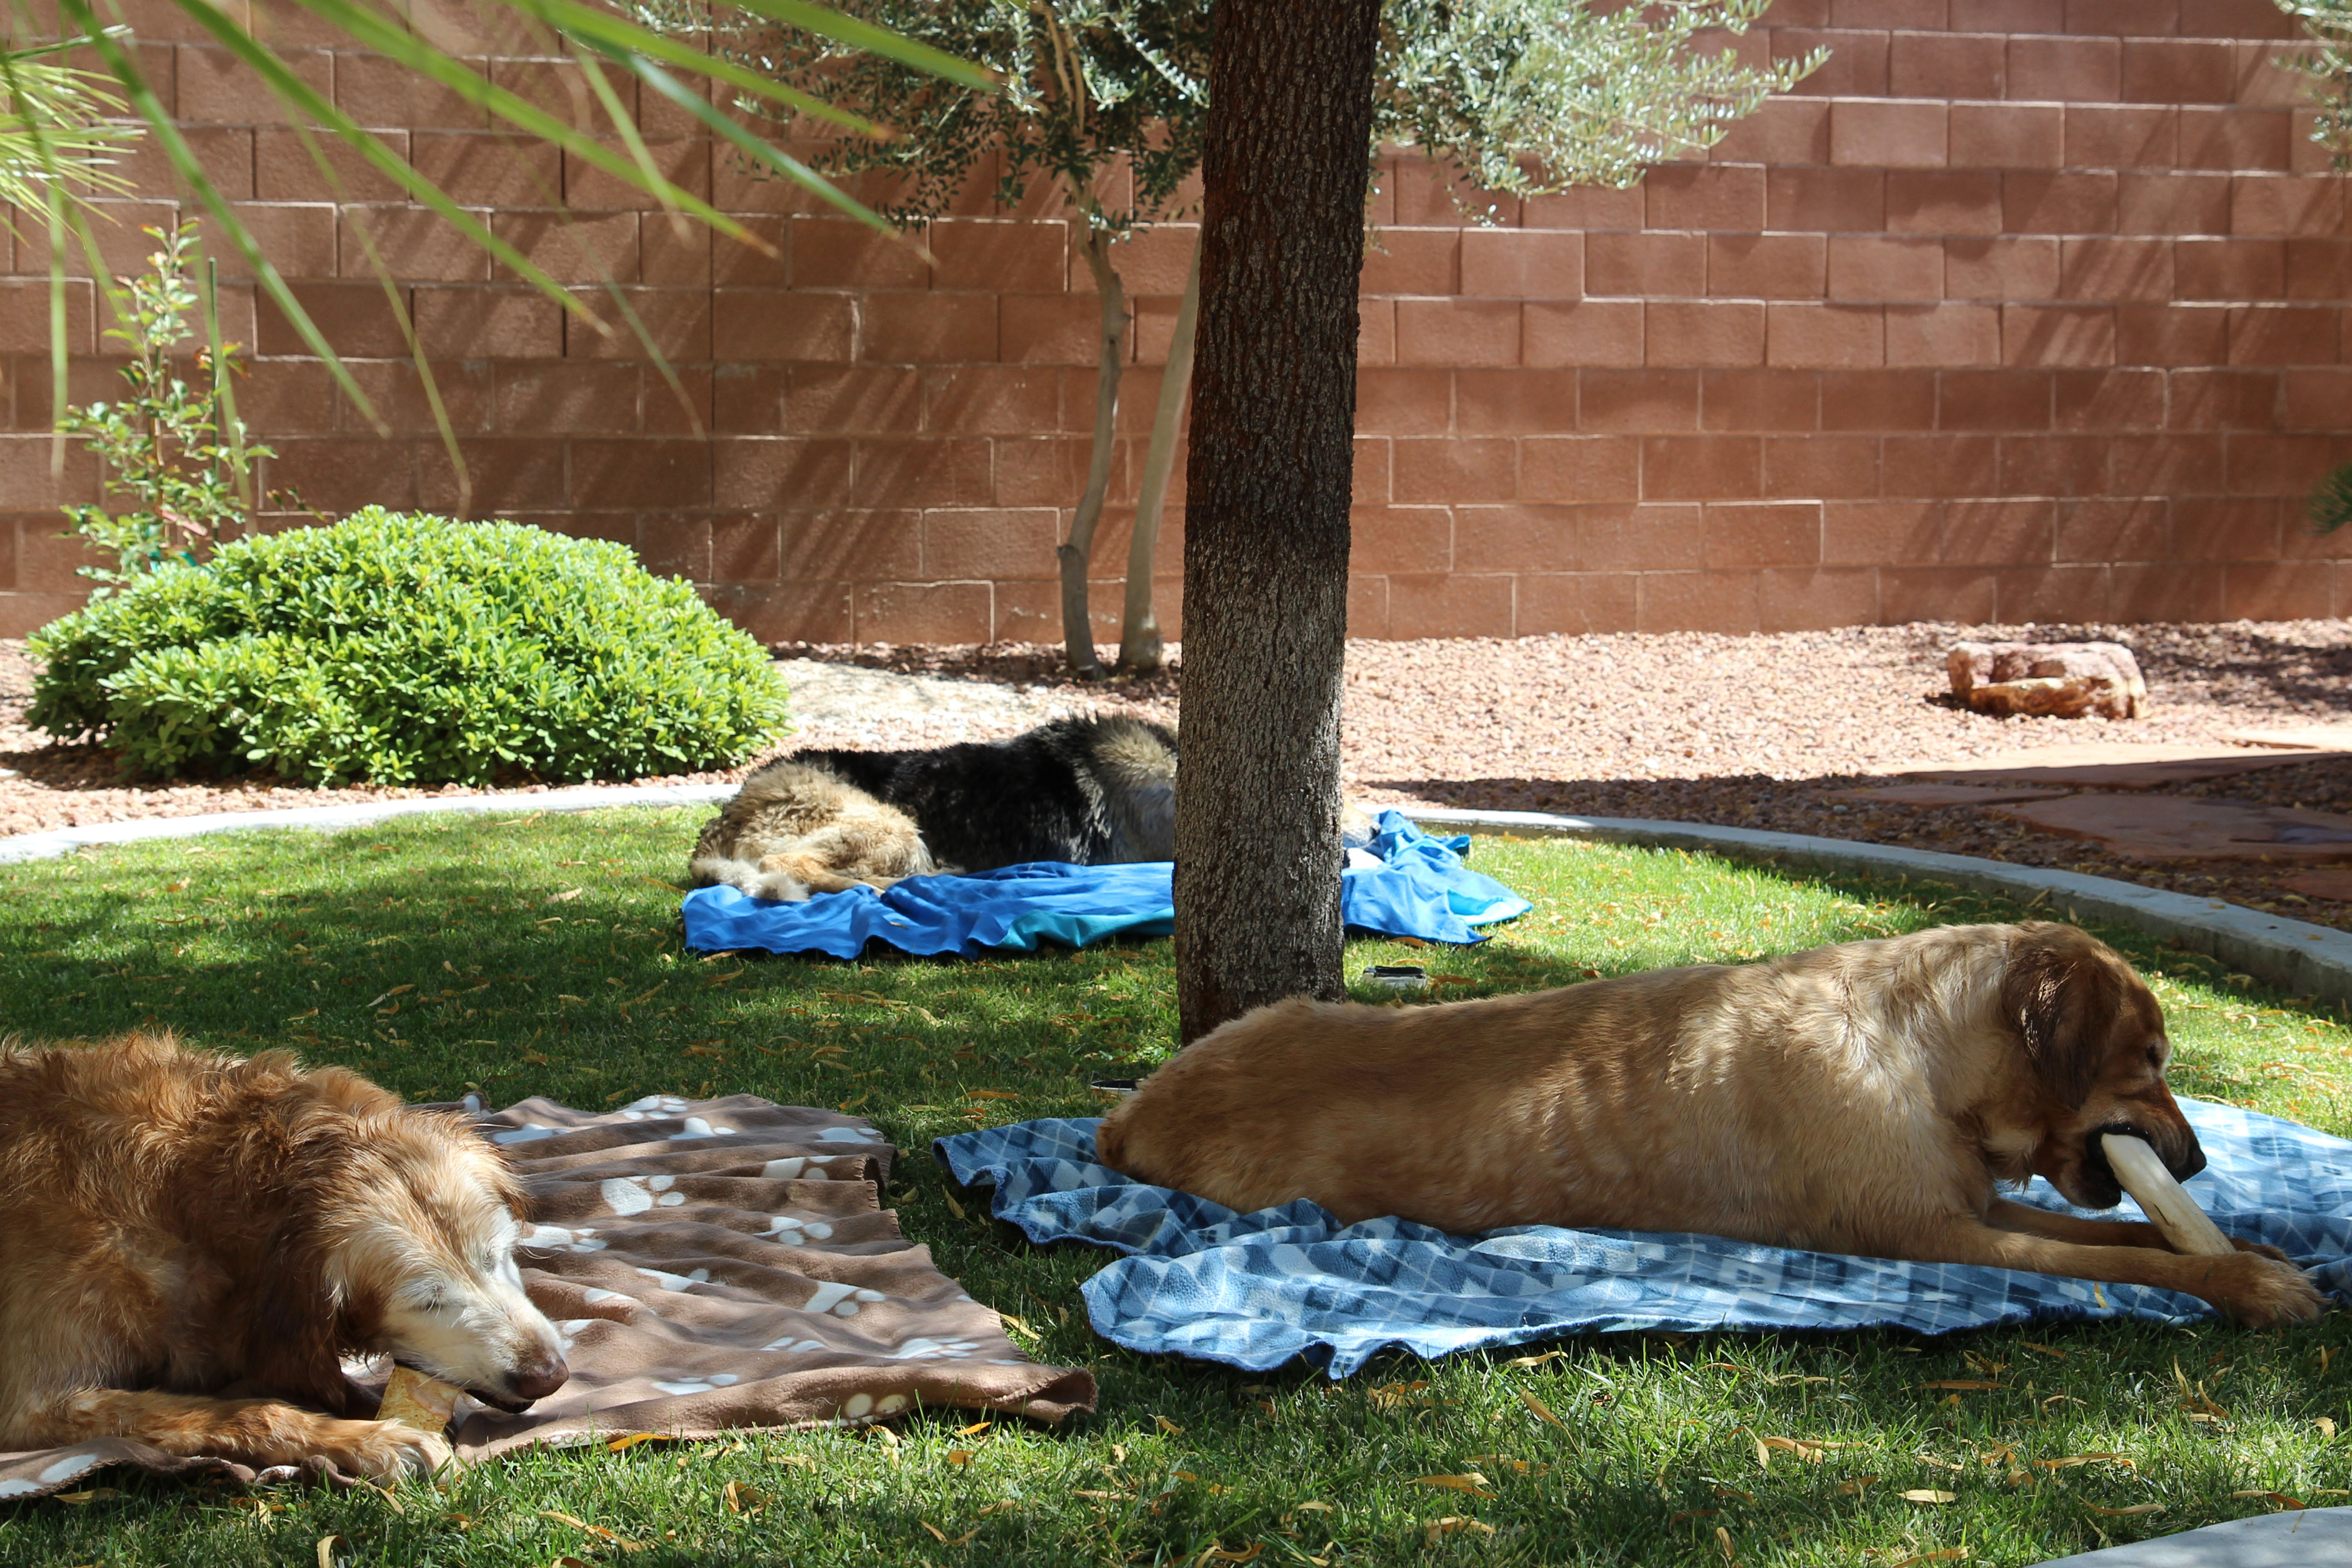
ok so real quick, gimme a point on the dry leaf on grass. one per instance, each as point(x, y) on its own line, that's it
point(1542, 1410)
point(1438, 1528)
point(1929, 1495)
point(1165, 1425)
point(1470, 1481)
point(1395, 1395)
point(1806, 1449)
point(1849, 1488)
point(2279, 1498)
point(2136, 1511)
point(597, 1530)
point(2068, 1461)
point(942, 1536)
point(741, 1499)
point(84, 1499)
point(958, 1456)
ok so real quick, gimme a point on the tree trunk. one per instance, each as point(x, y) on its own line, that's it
point(1138, 629)
point(1077, 557)
point(1265, 520)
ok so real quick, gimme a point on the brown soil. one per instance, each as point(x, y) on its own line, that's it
point(1752, 731)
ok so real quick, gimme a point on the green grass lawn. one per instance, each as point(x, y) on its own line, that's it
point(541, 955)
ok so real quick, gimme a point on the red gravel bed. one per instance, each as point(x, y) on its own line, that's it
point(1752, 731)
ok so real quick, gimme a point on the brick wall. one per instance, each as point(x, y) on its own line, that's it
point(2019, 309)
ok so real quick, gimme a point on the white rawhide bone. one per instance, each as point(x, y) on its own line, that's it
point(2165, 1203)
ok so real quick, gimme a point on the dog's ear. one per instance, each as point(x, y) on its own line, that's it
point(290, 1335)
point(2060, 998)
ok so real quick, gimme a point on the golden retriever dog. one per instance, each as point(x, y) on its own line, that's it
point(1867, 1098)
point(195, 1242)
point(797, 829)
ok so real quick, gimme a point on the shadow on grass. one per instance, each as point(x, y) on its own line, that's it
point(543, 959)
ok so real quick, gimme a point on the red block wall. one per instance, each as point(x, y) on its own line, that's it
point(2019, 309)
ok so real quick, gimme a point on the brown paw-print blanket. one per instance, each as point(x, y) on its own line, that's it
point(714, 1266)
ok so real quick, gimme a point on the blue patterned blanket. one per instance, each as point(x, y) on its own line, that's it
point(1253, 1290)
point(1421, 888)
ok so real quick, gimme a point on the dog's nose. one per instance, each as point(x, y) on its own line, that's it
point(2183, 1155)
point(537, 1380)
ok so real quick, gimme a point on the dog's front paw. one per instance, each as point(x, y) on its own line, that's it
point(384, 1450)
point(2263, 1290)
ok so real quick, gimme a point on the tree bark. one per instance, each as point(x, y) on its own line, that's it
point(1077, 556)
point(1265, 520)
point(1140, 646)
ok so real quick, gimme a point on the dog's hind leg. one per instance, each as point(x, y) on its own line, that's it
point(797, 872)
point(263, 1431)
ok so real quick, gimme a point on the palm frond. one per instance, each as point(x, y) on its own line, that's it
point(56, 128)
point(2329, 505)
point(59, 130)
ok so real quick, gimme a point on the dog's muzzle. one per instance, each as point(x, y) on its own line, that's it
point(527, 1385)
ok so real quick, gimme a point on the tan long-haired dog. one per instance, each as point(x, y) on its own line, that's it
point(1864, 1098)
point(796, 828)
point(194, 1242)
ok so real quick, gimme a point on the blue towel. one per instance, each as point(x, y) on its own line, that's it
point(1253, 1290)
point(1421, 889)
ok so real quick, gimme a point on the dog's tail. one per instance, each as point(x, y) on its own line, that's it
point(1134, 763)
point(1110, 1141)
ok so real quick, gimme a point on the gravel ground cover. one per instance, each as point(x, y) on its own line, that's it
point(1754, 732)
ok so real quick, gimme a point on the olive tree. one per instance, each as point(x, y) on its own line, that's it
point(1088, 86)
point(1489, 83)
point(1524, 97)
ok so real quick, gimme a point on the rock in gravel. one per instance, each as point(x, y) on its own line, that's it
point(2051, 679)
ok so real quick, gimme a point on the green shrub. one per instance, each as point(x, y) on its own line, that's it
point(409, 650)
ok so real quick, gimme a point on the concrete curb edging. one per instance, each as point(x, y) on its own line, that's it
point(2300, 958)
point(59, 841)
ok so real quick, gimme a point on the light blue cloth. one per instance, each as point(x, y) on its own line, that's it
point(1421, 889)
point(1253, 1290)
